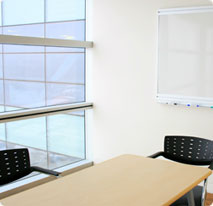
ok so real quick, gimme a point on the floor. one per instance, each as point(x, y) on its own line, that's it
point(209, 199)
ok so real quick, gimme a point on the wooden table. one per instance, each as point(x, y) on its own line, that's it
point(127, 180)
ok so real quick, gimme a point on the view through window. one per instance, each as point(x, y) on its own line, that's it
point(41, 76)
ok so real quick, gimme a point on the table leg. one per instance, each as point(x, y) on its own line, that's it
point(190, 198)
point(204, 193)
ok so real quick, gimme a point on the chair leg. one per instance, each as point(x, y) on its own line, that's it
point(190, 198)
point(204, 192)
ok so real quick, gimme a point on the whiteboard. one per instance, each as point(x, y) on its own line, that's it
point(185, 56)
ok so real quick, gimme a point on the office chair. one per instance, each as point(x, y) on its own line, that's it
point(189, 150)
point(15, 164)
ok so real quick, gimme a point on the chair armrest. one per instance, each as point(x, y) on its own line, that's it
point(45, 171)
point(157, 154)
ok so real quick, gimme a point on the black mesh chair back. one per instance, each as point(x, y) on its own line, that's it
point(14, 164)
point(189, 150)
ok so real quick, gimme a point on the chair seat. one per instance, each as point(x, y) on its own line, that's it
point(197, 195)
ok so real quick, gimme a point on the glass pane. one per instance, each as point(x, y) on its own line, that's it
point(66, 135)
point(23, 11)
point(67, 30)
point(22, 49)
point(0, 13)
point(3, 145)
point(9, 108)
point(56, 160)
point(64, 50)
point(64, 93)
point(2, 132)
point(61, 10)
point(36, 30)
point(1, 67)
point(1, 96)
point(53, 141)
point(31, 132)
point(38, 157)
point(65, 68)
point(24, 94)
point(24, 66)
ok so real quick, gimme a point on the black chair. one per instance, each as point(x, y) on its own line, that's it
point(189, 150)
point(15, 164)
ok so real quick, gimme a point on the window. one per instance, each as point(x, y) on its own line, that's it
point(42, 79)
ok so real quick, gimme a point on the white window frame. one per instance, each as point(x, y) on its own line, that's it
point(46, 110)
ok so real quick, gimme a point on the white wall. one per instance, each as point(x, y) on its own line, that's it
point(122, 81)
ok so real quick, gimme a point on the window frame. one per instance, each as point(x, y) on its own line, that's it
point(47, 110)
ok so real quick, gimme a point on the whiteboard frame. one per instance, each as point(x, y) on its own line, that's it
point(176, 99)
point(185, 10)
point(186, 100)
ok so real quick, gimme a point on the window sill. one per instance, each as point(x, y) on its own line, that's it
point(36, 180)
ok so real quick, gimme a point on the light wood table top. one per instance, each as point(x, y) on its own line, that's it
point(127, 180)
